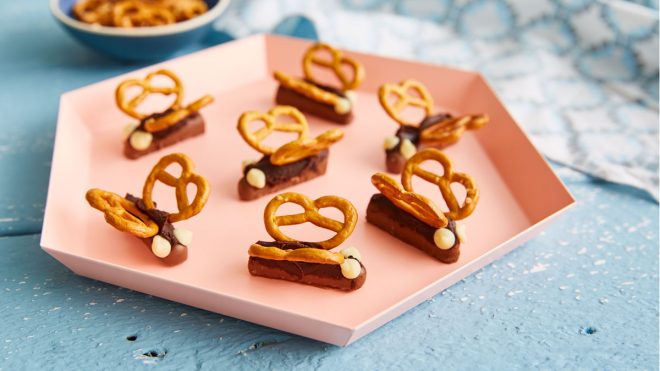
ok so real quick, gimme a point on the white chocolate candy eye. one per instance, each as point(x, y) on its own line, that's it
point(342, 106)
point(350, 268)
point(351, 95)
point(160, 247)
point(351, 252)
point(460, 232)
point(444, 238)
point(391, 142)
point(256, 178)
point(140, 140)
point(407, 148)
point(129, 129)
point(246, 163)
point(184, 236)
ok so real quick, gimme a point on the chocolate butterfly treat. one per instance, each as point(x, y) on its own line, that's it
point(141, 218)
point(311, 263)
point(294, 162)
point(310, 95)
point(414, 218)
point(438, 130)
point(158, 130)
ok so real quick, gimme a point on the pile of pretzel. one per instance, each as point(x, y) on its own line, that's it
point(137, 13)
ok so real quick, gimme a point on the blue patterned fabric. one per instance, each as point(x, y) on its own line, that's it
point(581, 76)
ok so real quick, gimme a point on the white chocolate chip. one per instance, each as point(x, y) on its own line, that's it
point(391, 142)
point(460, 232)
point(129, 129)
point(342, 106)
point(351, 95)
point(350, 268)
point(184, 236)
point(407, 148)
point(140, 140)
point(247, 163)
point(256, 178)
point(351, 252)
point(444, 238)
point(160, 246)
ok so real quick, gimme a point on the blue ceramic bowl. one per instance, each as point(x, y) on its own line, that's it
point(140, 43)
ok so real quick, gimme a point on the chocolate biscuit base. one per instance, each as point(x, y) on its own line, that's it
point(286, 96)
point(315, 274)
point(191, 126)
point(382, 213)
point(394, 160)
point(282, 176)
point(179, 252)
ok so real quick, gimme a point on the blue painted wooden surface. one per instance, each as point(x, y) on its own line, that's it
point(582, 295)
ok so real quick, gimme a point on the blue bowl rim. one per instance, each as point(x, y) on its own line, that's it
point(172, 29)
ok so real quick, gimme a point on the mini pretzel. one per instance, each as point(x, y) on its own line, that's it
point(180, 184)
point(121, 213)
point(335, 63)
point(450, 130)
point(305, 147)
point(305, 88)
point(444, 181)
point(254, 139)
point(305, 254)
point(404, 99)
point(164, 122)
point(312, 215)
point(413, 203)
point(129, 107)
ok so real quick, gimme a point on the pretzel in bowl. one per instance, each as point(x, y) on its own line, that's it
point(314, 96)
point(154, 131)
point(301, 159)
point(141, 218)
point(311, 263)
point(137, 13)
point(438, 130)
point(414, 218)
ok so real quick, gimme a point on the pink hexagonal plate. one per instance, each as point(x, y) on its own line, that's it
point(519, 193)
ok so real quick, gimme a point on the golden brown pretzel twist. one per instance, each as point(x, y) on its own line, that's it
point(121, 213)
point(413, 203)
point(307, 89)
point(254, 139)
point(295, 150)
point(450, 130)
point(335, 63)
point(444, 181)
point(129, 106)
point(401, 91)
point(185, 208)
point(305, 147)
point(305, 254)
point(311, 214)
